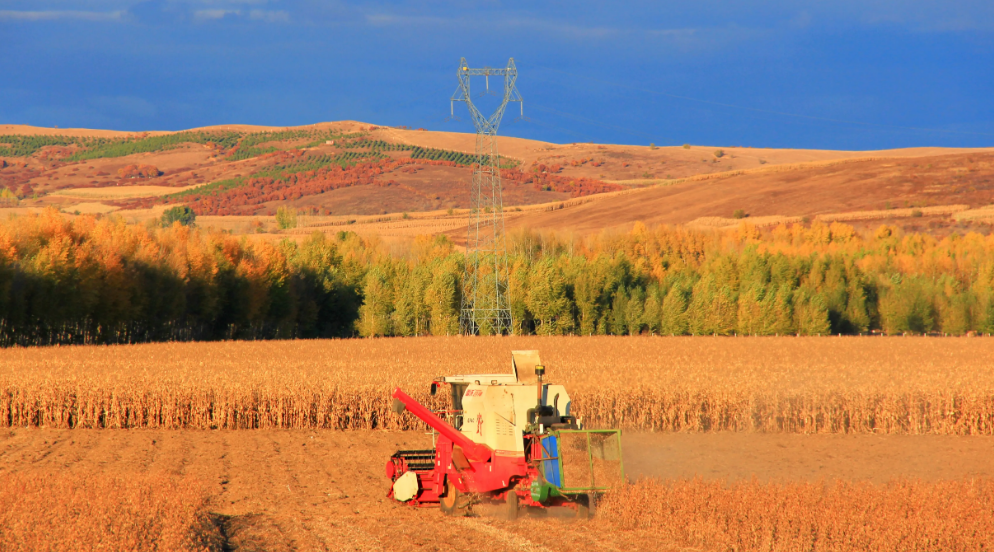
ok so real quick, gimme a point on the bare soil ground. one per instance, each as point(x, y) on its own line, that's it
point(659, 162)
point(325, 490)
point(418, 190)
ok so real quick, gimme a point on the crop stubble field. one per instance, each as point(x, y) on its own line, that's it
point(845, 388)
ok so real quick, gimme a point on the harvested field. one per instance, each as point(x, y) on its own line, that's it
point(863, 188)
point(892, 385)
point(120, 192)
point(324, 490)
point(835, 443)
point(94, 511)
point(901, 515)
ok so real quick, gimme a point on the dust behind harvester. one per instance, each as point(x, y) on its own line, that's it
point(508, 438)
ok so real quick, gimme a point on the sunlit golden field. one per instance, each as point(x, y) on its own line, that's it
point(800, 385)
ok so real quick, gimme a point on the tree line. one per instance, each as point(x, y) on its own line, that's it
point(100, 280)
point(793, 280)
point(91, 280)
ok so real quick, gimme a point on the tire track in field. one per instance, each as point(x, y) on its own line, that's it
point(304, 467)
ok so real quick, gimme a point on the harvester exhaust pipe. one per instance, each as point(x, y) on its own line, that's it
point(539, 372)
point(473, 451)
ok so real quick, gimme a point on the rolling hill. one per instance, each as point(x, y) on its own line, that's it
point(398, 182)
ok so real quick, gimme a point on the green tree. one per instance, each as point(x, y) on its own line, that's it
point(652, 312)
point(810, 313)
point(286, 217)
point(713, 307)
point(181, 214)
point(906, 306)
point(549, 299)
point(442, 296)
point(673, 318)
point(375, 315)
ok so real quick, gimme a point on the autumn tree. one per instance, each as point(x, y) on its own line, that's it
point(139, 171)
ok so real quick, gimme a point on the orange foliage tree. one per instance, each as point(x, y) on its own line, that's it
point(139, 171)
point(104, 281)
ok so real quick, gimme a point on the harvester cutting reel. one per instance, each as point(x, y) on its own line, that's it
point(506, 438)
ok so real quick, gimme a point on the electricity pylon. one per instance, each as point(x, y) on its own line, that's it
point(486, 308)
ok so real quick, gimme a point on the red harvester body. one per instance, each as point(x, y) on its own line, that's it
point(505, 446)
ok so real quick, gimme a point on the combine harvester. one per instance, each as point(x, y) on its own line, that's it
point(507, 438)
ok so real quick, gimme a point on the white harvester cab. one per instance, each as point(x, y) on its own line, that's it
point(497, 409)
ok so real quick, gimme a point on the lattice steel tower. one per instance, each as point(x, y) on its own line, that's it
point(486, 308)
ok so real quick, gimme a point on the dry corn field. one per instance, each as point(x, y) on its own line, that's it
point(826, 424)
point(880, 385)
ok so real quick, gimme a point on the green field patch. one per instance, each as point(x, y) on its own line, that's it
point(213, 188)
point(17, 145)
point(129, 146)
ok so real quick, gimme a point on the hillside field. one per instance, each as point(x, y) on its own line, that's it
point(400, 183)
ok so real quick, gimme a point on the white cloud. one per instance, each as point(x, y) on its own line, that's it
point(544, 26)
point(265, 16)
point(49, 15)
point(210, 15)
point(562, 29)
point(269, 16)
point(387, 19)
point(685, 39)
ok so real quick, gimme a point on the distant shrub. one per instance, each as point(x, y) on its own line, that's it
point(652, 146)
point(139, 171)
point(739, 214)
point(8, 198)
point(286, 217)
point(181, 214)
point(686, 146)
point(916, 212)
point(719, 153)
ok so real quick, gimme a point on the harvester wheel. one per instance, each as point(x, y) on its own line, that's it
point(452, 499)
point(584, 507)
point(511, 506)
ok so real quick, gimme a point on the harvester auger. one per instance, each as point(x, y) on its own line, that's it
point(506, 438)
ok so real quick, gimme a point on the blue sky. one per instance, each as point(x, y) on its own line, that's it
point(842, 74)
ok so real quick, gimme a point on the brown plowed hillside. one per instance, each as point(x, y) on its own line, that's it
point(808, 191)
point(643, 162)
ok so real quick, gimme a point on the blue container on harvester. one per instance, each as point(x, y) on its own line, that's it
point(550, 467)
